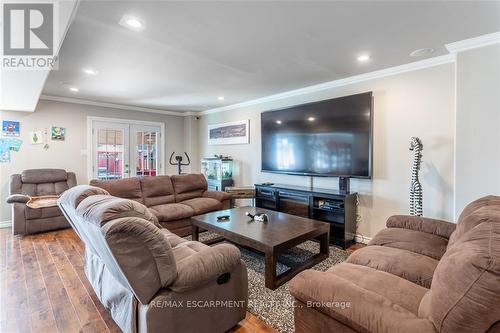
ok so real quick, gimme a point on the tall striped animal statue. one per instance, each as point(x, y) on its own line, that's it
point(416, 188)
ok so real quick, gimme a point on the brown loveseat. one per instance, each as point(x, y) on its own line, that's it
point(38, 182)
point(418, 275)
point(150, 279)
point(172, 199)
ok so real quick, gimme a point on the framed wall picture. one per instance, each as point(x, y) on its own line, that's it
point(231, 133)
point(58, 133)
point(10, 128)
point(36, 138)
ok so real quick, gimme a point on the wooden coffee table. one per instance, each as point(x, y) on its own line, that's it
point(272, 238)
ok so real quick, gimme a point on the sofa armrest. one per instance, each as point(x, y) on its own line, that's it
point(361, 309)
point(424, 224)
point(218, 195)
point(17, 198)
point(204, 266)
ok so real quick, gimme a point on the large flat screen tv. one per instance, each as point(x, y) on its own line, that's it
point(327, 138)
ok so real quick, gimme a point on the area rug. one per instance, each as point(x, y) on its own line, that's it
point(275, 307)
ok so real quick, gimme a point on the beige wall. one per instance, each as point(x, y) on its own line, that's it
point(71, 153)
point(419, 103)
point(478, 125)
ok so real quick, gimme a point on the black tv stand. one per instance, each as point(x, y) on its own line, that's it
point(336, 208)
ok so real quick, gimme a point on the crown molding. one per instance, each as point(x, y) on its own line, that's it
point(474, 43)
point(115, 106)
point(413, 66)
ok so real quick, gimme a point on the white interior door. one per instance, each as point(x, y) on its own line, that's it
point(110, 143)
point(121, 150)
point(145, 150)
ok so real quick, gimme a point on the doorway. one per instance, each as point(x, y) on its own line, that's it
point(125, 148)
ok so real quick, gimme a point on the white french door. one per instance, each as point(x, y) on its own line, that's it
point(122, 149)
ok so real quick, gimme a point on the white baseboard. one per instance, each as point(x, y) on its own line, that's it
point(6, 224)
point(362, 239)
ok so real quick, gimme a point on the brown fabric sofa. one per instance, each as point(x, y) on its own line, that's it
point(417, 275)
point(150, 279)
point(38, 182)
point(172, 199)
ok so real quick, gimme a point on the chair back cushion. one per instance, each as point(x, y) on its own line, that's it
point(100, 209)
point(128, 188)
point(466, 221)
point(157, 190)
point(189, 186)
point(37, 182)
point(465, 290)
point(143, 253)
point(122, 235)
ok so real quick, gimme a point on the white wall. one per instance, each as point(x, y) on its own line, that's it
point(478, 125)
point(70, 154)
point(419, 103)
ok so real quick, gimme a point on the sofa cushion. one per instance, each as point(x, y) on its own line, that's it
point(467, 220)
point(127, 188)
point(203, 205)
point(188, 186)
point(411, 266)
point(41, 213)
point(100, 209)
point(465, 290)
point(377, 301)
point(38, 176)
point(171, 212)
point(157, 190)
point(411, 240)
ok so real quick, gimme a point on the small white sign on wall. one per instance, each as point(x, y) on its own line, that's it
point(231, 133)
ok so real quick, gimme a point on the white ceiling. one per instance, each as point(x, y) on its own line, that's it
point(192, 52)
point(20, 89)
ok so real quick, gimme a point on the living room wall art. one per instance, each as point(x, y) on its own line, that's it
point(231, 133)
point(10, 128)
point(36, 137)
point(58, 133)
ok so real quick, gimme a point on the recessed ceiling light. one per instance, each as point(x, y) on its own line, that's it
point(363, 58)
point(311, 119)
point(279, 122)
point(421, 52)
point(220, 98)
point(131, 22)
point(74, 89)
point(90, 71)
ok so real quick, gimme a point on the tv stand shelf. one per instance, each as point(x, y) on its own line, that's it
point(339, 210)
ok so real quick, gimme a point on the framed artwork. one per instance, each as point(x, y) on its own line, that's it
point(10, 128)
point(232, 133)
point(58, 133)
point(36, 138)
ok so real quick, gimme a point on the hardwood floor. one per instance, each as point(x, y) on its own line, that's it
point(43, 288)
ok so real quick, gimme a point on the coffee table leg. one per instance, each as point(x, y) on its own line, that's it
point(195, 232)
point(324, 246)
point(270, 270)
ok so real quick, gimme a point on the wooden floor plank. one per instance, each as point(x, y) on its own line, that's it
point(86, 311)
point(63, 310)
point(16, 289)
point(42, 317)
point(69, 244)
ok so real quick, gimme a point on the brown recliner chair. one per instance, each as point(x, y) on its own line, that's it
point(38, 182)
point(417, 275)
point(150, 279)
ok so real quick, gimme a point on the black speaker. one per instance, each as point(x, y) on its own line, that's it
point(344, 185)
